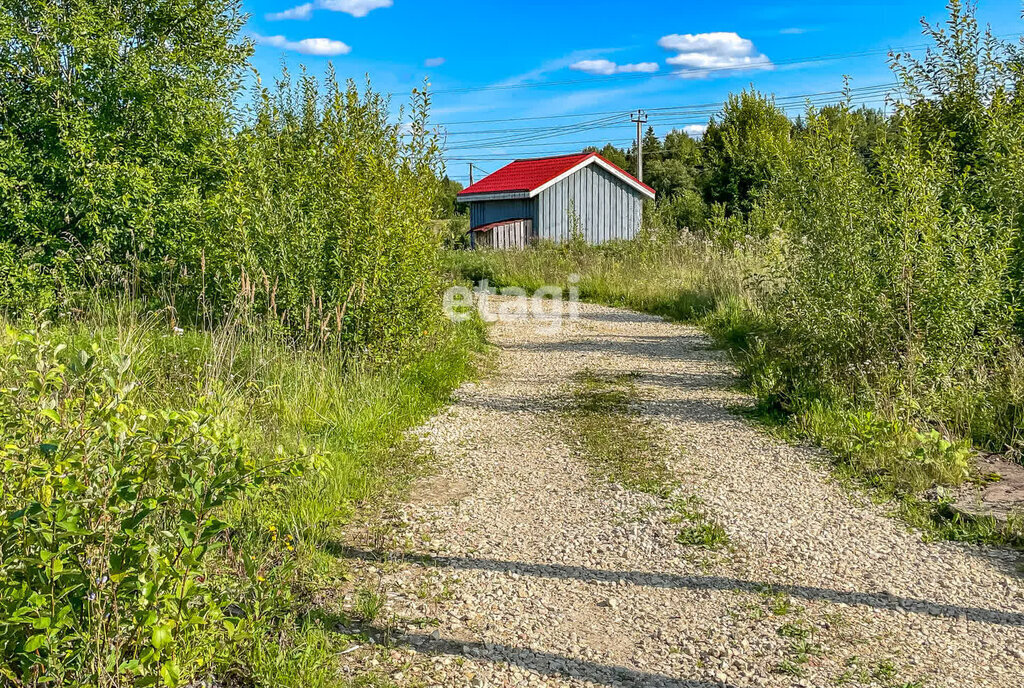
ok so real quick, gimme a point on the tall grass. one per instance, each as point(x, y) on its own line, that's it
point(341, 417)
point(682, 279)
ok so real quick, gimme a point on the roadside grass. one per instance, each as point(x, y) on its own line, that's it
point(871, 447)
point(680, 280)
point(342, 416)
point(602, 424)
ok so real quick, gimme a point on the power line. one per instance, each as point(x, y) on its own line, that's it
point(717, 104)
point(696, 71)
point(690, 110)
point(538, 134)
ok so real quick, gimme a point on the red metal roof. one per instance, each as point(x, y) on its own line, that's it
point(527, 175)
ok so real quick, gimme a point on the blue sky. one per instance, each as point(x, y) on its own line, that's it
point(569, 72)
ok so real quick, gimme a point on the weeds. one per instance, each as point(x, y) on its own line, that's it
point(618, 444)
point(160, 459)
point(369, 603)
point(699, 529)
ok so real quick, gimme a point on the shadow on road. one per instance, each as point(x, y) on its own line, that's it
point(878, 600)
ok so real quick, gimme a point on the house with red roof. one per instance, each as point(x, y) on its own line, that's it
point(554, 199)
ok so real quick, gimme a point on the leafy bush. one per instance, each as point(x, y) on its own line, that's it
point(896, 277)
point(326, 222)
point(107, 512)
point(124, 163)
point(113, 116)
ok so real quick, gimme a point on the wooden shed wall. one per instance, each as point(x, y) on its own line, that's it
point(513, 234)
point(606, 206)
point(486, 212)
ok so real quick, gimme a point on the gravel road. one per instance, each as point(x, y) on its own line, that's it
point(514, 566)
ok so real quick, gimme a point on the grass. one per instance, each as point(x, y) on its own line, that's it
point(619, 445)
point(691, 281)
point(699, 530)
point(344, 415)
point(622, 448)
point(682, 280)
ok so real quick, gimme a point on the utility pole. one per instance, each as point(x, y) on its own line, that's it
point(641, 119)
point(471, 174)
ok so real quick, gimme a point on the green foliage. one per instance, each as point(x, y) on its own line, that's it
point(447, 205)
point(671, 167)
point(744, 150)
point(131, 503)
point(699, 529)
point(123, 161)
point(604, 427)
point(328, 217)
point(108, 512)
point(895, 283)
point(112, 120)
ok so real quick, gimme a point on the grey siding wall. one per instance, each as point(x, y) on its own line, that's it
point(486, 212)
point(607, 207)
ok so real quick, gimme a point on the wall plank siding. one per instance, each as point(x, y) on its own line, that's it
point(607, 208)
point(486, 212)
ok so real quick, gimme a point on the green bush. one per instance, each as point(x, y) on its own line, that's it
point(108, 511)
point(113, 120)
point(326, 224)
point(895, 282)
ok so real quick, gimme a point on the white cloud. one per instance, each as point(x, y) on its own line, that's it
point(307, 46)
point(695, 131)
point(433, 62)
point(699, 55)
point(357, 8)
point(606, 67)
point(301, 12)
point(795, 30)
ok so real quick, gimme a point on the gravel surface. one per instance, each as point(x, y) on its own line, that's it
point(514, 566)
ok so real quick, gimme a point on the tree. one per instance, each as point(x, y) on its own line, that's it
point(447, 205)
point(744, 150)
point(614, 155)
point(671, 167)
point(113, 116)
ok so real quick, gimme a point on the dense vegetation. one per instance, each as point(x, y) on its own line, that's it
point(217, 322)
point(866, 269)
point(125, 160)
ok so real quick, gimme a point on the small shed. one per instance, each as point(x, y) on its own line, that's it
point(552, 198)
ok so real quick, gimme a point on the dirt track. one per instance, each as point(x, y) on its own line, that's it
point(537, 574)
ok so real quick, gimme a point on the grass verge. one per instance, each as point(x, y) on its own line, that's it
point(250, 565)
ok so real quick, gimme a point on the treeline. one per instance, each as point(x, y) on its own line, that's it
point(700, 182)
point(126, 162)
